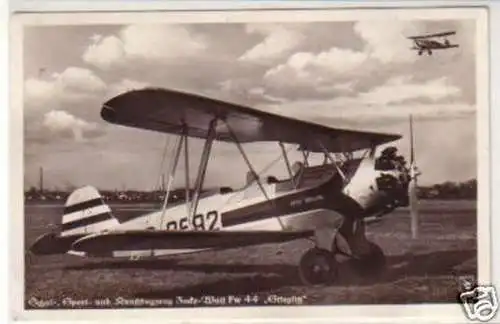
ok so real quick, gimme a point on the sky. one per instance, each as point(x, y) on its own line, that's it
point(357, 75)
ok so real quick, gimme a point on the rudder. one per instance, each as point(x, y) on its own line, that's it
point(85, 212)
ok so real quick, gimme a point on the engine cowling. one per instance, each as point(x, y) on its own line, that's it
point(380, 184)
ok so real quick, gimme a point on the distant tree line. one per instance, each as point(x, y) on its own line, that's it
point(447, 190)
point(137, 196)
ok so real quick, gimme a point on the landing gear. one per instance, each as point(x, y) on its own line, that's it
point(317, 267)
point(371, 263)
point(320, 265)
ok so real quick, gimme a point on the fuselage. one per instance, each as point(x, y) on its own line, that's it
point(317, 198)
point(314, 198)
point(432, 44)
point(247, 210)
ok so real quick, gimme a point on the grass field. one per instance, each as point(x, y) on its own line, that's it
point(424, 270)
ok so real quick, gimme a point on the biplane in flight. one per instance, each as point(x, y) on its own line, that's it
point(326, 203)
point(428, 43)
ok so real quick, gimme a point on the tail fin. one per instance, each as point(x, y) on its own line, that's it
point(85, 212)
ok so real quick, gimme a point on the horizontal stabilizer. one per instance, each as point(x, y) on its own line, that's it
point(100, 244)
point(52, 243)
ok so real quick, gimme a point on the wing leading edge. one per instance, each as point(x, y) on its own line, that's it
point(175, 112)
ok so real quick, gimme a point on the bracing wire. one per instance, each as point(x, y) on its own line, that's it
point(162, 163)
point(264, 170)
point(171, 176)
point(159, 178)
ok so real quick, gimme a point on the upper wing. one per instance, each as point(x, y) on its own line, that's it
point(443, 34)
point(105, 243)
point(433, 35)
point(167, 111)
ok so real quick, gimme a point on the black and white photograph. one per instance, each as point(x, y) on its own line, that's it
point(252, 159)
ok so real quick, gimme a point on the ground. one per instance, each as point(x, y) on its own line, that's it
point(422, 270)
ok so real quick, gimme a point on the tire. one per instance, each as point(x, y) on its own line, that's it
point(372, 264)
point(318, 267)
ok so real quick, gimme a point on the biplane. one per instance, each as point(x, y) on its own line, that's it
point(326, 203)
point(429, 43)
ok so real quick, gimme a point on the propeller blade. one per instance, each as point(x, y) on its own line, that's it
point(412, 192)
point(412, 150)
point(412, 186)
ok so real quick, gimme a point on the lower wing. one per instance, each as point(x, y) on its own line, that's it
point(103, 243)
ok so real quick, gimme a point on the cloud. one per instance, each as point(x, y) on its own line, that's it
point(360, 75)
point(307, 74)
point(278, 40)
point(104, 52)
point(75, 90)
point(340, 114)
point(394, 100)
point(62, 123)
point(144, 42)
point(383, 49)
point(124, 86)
point(243, 92)
point(73, 84)
point(37, 90)
point(402, 89)
point(385, 39)
point(308, 65)
point(309, 79)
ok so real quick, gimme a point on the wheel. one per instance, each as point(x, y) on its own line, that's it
point(318, 267)
point(372, 263)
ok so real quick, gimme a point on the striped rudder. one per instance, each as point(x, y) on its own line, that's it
point(85, 212)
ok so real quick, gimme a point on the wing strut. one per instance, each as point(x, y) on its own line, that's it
point(287, 162)
point(306, 157)
point(202, 170)
point(186, 174)
point(328, 156)
point(161, 175)
point(247, 161)
point(171, 176)
point(264, 170)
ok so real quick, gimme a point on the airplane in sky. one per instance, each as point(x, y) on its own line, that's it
point(429, 43)
point(327, 203)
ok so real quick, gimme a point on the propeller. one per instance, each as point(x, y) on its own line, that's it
point(412, 186)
